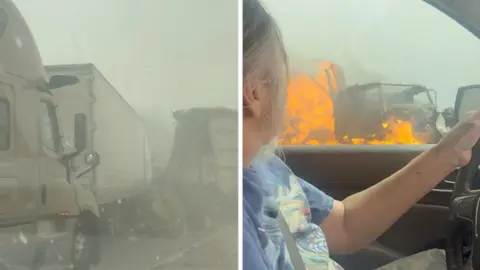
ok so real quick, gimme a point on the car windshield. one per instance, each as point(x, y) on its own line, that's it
point(96, 172)
point(364, 42)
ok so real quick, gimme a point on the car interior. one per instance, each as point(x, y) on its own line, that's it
point(342, 171)
point(446, 218)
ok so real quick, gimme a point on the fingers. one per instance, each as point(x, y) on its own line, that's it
point(471, 131)
point(471, 121)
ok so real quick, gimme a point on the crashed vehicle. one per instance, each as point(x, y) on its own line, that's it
point(363, 110)
point(199, 187)
point(370, 113)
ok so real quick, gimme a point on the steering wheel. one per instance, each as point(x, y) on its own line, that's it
point(465, 214)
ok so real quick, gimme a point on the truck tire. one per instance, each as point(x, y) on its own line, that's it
point(170, 216)
point(86, 242)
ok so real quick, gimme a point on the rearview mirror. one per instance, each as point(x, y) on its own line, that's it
point(468, 99)
point(80, 132)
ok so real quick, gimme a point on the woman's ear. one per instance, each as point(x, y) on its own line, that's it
point(251, 101)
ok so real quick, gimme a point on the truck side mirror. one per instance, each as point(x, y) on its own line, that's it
point(80, 132)
point(92, 160)
point(468, 99)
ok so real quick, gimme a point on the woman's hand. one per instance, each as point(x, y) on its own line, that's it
point(455, 148)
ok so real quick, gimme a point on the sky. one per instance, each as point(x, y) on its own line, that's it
point(160, 55)
point(396, 40)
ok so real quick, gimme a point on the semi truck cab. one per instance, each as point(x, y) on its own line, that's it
point(34, 159)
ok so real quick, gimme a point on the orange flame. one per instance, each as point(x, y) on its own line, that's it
point(310, 114)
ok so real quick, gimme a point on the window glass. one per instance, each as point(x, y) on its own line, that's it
point(50, 136)
point(362, 74)
point(4, 125)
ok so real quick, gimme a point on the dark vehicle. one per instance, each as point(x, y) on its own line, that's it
point(203, 171)
point(361, 110)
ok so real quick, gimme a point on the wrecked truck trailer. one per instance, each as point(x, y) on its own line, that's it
point(363, 110)
point(203, 165)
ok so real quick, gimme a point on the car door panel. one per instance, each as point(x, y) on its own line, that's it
point(342, 170)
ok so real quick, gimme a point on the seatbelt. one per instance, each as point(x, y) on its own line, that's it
point(290, 243)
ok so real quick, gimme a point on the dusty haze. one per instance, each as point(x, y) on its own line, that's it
point(160, 55)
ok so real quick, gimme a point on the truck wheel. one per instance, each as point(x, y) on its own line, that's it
point(86, 242)
point(171, 215)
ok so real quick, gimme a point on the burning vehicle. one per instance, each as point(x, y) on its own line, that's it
point(368, 110)
point(323, 110)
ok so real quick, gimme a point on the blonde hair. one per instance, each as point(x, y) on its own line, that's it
point(264, 57)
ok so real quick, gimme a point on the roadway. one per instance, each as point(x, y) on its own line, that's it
point(200, 250)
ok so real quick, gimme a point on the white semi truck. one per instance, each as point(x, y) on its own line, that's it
point(38, 189)
point(74, 160)
point(116, 147)
point(115, 136)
